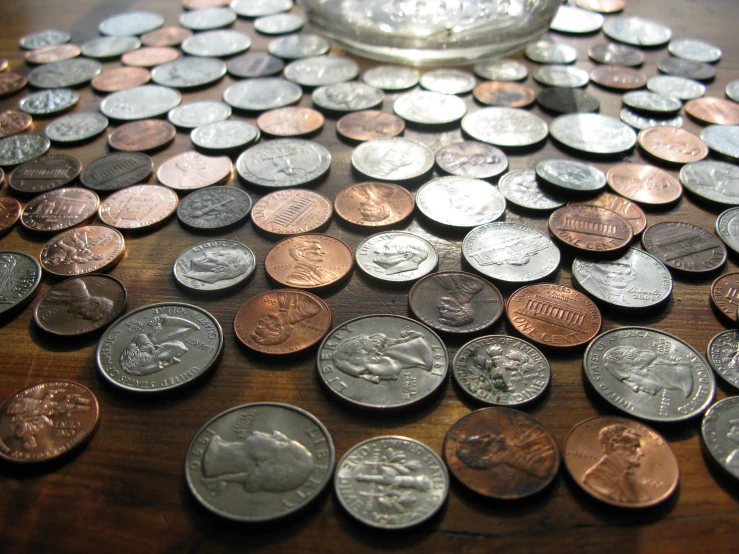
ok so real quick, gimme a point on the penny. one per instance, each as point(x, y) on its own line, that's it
point(714, 182)
point(727, 228)
point(291, 212)
point(109, 47)
point(388, 77)
point(291, 121)
point(567, 100)
point(426, 107)
point(116, 171)
point(712, 110)
point(130, 23)
point(80, 305)
point(47, 37)
point(59, 209)
point(651, 103)
point(309, 261)
point(10, 213)
point(724, 292)
point(396, 256)
point(262, 94)
point(216, 44)
point(214, 266)
point(165, 36)
point(227, 135)
point(617, 77)
point(138, 207)
point(455, 302)
point(47, 421)
point(501, 70)
point(214, 208)
point(603, 6)
point(159, 347)
point(67, 73)
point(676, 87)
point(195, 114)
point(501, 93)
point(20, 148)
point(722, 355)
point(254, 64)
point(373, 204)
point(12, 123)
point(610, 53)
point(563, 76)
point(505, 127)
point(260, 8)
point(590, 229)
point(44, 174)
point(472, 159)
point(570, 177)
point(393, 159)
point(593, 133)
point(140, 102)
point(49, 101)
point(545, 51)
point(283, 163)
point(278, 24)
point(21, 278)
point(460, 202)
point(621, 462)
point(448, 81)
point(637, 31)
point(149, 56)
point(297, 46)
point(76, 127)
point(142, 135)
point(686, 68)
point(576, 21)
point(228, 453)
point(673, 145)
point(120, 78)
point(522, 189)
point(720, 434)
point(722, 139)
point(82, 250)
point(629, 211)
point(639, 121)
point(205, 19)
point(370, 125)
point(321, 70)
point(282, 321)
point(200, 4)
point(191, 170)
point(54, 53)
point(347, 97)
point(684, 246)
point(11, 82)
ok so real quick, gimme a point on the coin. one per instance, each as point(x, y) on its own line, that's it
point(293, 47)
point(138, 207)
point(686, 68)
point(501, 70)
point(67, 73)
point(712, 181)
point(321, 70)
point(651, 103)
point(22, 277)
point(347, 97)
point(116, 171)
point(230, 134)
point(130, 23)
point(577, 21)
point(676, 87)
point(617, 77)
point(722, 139)
point(10, 213)
point(429, 108)
point(82, 250)
point(672, 145)
point(545, 51)
point(140, 102)
point(726, 228)
point(283, 163)
point(282, 321)
point(195, 114)
point(254, 64)
point(68, 413)
point(448, 81)
point(149, 56)
point(200, 4)
point(109, 47)
point(389, 77)
point(471, 159)
point(369, 125)
point(563, 76)
point(17, 149)
point(610, 53)
point(189, 72)
point(76, 127)
point(262, 94)
point(638, 121)
point(732, 90)
point(460, 202)
point(291, 212)
point(522, 189)
point(159, 347)
point(502, 93)
point(120, 78)
point(47, 37)
point(593, 133)
point(567, 100)
point(142, 135)
point(214, 208)
point(80, 305)
point(204, 19)
point(455, 302)
point(260, 8)
point(60, 209)
point(570, 177)
point(44, 174)
point(621, 462)
point(720, 434)
point(505, 127)
point(396, 256)
point(632, 213)
point(165, 36)
point(49, 101)
point(214, 266)
point(374, 204)
point(603, 6)
point(309, 261)
point(12, 123)
point(724, 292)
point(637, 31)
point(684, 246)
point(278, 24)
point(291, 121)
point(712, 110)
point(53, 53)
point(393, 159)
point(590, 229)
point(216, 44)
point(191, 170)
point(721, 354)
point(11, 82)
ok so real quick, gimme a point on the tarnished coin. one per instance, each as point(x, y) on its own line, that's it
point(639, 121)
point(191, 170)
point(214, 266)
point(46, 421)
point(283, 163)
point(150, 56)
point(684, 246)
point(142, 135)
point(522, 189)
point(429, 108)
point(369, 125)
point(67, 73)
point(651, 103)
point(393, 159)
point(347, 97)
point(11, 82)
point(291, 212)
point(510, 252)
point(448, 81)
point(714, 182)
point(116, 171)
point(80, 305)
point(49, 101)
point(201, 4)
point(617, 77)
point(165, 36)
point(396, 256)
point(632, 213)
point(610, 53)
point(109, 47)
point(694, 50)
point(309, 261)
point(593, 133)
point(130, 23)
point(374, 204)
point(140, 102)
point(546, 51)
point(12, 123)
point(671, 144)
point(503, 93)
point(387, 77)
point(722, 139)
point(686, 68)
point(621, 462)
point(727, 228)
point(562, 76)
point(722, 355)
point(720, 433)
point(460, 202)
point(189, 72)
point(21, 278)
point(571, 177)
point(197, 113)
point(282, 321)
point(47, 37)
point(321, 70)
point(260, 8)
point(293, 47)
point(205, 19)
point(214, 208)
point(590, 229)
point(725, 295)
point(17, 149)
point(10, 213)
point(120, 78)
point(713, 111)
point(455, 302)
point(262, 94)
point(230, 134)
point(603, 6)
point(82, 250)
point(159, 347)
point(637, 31)
point(76, 127)
point(254, 64)
point(44, 174)
point(55, 53)
point(576, 21)
point(471, 159)
point(278, 24)
point(60, 209)
point(732, 90)
point(676, 87)
point(644, 184)
point(217, 44)
point(290, 121)
point(505, 127)
point(635, 280)
point(567, 100)
point(138, 207)
point(501, 70)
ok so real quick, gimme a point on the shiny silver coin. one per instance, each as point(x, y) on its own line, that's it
point(130, 24)
point(722, 139)
point(472, 159)
point(694, 50)
point(721, 434)
point(501, 70)
point(140, 102)
point(283, 163)
point(671, 86)
point(207, 19)
point(732, 90)
point(116, 171)
point(278, 24)
point(723, 355)
point(393, 159)
point(686, 68)
point(216, 44)
point(295, 47)
point(260, 8)
point(47, 37)
point(639, 121)
point(635, 280)
point(429, 108)
point(214, 208)
point(389, 77)
point(651, 103)
point(18, 149)
point(510, 252)
point(448, 81)
point(109, 47)
point(321, 70)
point(522, 189)
point(610, 53)
point(460, 202)
point(576, 21)
point(262, 94)
point(224, 135)
point(637, 31)
point(22, 275)
point(505, 127)
point(159, 347)
point(188, 72)
point(347, 97)
point(49, 101)
point(201, 112)
point(561, 76)
point(567, 100)
point(545, 51)
point(568, 176)
point(382, 361)
point(593, 133)
point(66, 73)
point(214, 266)
point(396, 256)
point(727, 228)
point(500, 370)
point(714, 182)
point(254, 64)
point(76, 127)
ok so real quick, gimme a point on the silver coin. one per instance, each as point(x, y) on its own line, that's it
point(76, 127)
point(18, 149)
point(472, 159)
point(522, 188)
point(393, 159)
point(116, 171)
point(694, 50)
point(723, 355)
point(159, 347)
point(501, 70)
point(195, 114)
point(216, 44)
point(732, 90)
point(391, 482)
point(448, 81)
point(49, 101)
point(214, 266)
point(347, 97)
point(131, 23)
point(382, 361)
point(460, 202)
point(214, 208)
point(254, 64)
point(638, 121)
point(390, 77)
point(429, 108)
point(637, 31)
point(505, 127)
point(676, 87)
point(722, 139)
point(715, 182)
point(721, 435)
point(188, 72)
point(21, 278)
point(294, 47)
point(569, 176)
point(262, 94)
point(635, 280)
point(321, 70)
point(727, 228)
point(283, 163)
point(610, 53)
point(651, 103)
point(67, 73)
point(260, 8)
point(510, 252)
point(259, 462)
point(577, 21)
point(278, 24)
point(224, 135)
point(396, 256)
point(545, 51)
point(109, 47)
point(140, 102)
point(593, 133)
point(207, 19)
point(686, 68)
point(649, 374)
point(561, 76)
point(47, 37)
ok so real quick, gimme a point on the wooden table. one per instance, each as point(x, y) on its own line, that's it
point(125, 492)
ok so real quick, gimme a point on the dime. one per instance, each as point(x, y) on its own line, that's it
point(140, 102)
point(67, 73)
point(49, 101)
point(260, 8)
point(632, 213)
point(282, 321)
point(278, 24)
point(567, 176)
point(545, 51)
point(374, 204)
point(293, 47)
point(522, 189)
point(593, 133)
point(205, 19)
point(455, 302)
point(291, 121)
point(216, 44)
point(572, 20)
point(283, 163)
point(47, 37)
point(715, 182)
point(44, 174)
point(727, 228)
point(721, 354)
point(149, 56)
point(82, 250)
point(76, 127)
point(460, 202)
point(10, 213)
point(67, 414)
point(567, 100)
point(637, 31)
point(230, 134)
point(214, 266)
point(694, 50)
point(321, 70)
point(54, 53)
point(254, 64)
point(396, 256)
point(590, 229)
point(191, 170)
point(502, 93)
point(165, 36)
point(195, 114)
point(120, 78)
point(711, 110)
point(80, 305)
point(200, 4)
point(471, 159)
point(12, 123)
point(505, 127)
point(684, 246)
point(610, 53)
point(724, 295)
point(671, 144)
point(347, 97)
point(138, 207)
point(369, 125)
point(116, 171)
point(732, 90)
point(639, 122)
point(621, 462)
point(389, 77)
point(722, 139)
point(429, 108)
point(130, 23)
point(651, 103)
point(17, 149)
point(603, 6)
point(448, 81)
point(189, 72)
point(109, 47)
point(214, 208)
point(309, 261)
point(22, 277)
point(562, 76)
point(159, 347)
point(60, 209)
point(501, 70)
point(676, 87)
point(720, 433)
point(617, 77)
point(291, 212)
point(11, 82)
point(143, 135)
point(688, 69)
point(393, 159)
point(262, 94)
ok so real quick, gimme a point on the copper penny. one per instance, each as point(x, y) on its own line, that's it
point(12, 123)
point(282, 321)
point(501, 453)
point(138, 207)
point(309, 261)
point(504, 93)
point(11, 82)
point(725, 295)
point(46, 421)
point(44, 174)
point(166, 36)
point(120, 78)
point(80, 305)
point(644, 184)
point(632, 213)
point(684, 246)
point(142, 135)
point(82, 250)
point(291, 121)
point(291, 212)
point(554, 315)
point(3, 64)
point(602, 6)
point(192, 170)
point(54, 53)
point(373, 204)
point(149, 56)
point(590, 229)
point(617, 77)
point(621, 462)
point(671, 144)
point(201, 4)
point(60, 209)
point(713, 111)
point(10, 213)
point(369, 125)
